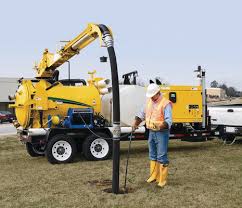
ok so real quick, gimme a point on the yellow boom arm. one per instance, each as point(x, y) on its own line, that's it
point(50, 61)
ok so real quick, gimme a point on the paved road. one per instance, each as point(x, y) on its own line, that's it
point(7, 129)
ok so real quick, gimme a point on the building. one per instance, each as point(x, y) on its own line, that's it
point(216, 93)
point(8, 86)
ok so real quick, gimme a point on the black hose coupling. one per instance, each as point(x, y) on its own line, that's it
point(107, 37)
point(108, 40)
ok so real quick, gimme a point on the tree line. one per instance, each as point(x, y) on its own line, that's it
point(229, 90)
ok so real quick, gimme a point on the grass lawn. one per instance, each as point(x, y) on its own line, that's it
point(203, 174)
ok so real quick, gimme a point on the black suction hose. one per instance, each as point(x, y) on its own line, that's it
point(115, 86)
point(108, 40)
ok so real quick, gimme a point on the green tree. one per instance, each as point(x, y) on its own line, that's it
point(224, 86)
point(231, 92)
point(214, 83)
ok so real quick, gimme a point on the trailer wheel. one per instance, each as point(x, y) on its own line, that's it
point(228, 138)
point(34, 150)
point(61, 149)
point(95, 148)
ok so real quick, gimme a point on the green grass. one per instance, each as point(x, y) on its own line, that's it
point(206, 174)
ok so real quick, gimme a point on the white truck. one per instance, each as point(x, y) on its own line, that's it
point(227, 120)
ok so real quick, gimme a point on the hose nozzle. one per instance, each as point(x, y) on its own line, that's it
point(107, 39)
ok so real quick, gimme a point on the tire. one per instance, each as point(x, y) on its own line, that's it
point(197, 126)
point(95, 148)
point(61, 149)
point(34, 150)
point(228, 138)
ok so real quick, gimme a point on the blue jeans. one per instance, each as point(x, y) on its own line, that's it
point(158, 145)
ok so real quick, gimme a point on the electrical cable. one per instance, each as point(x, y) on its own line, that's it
point(127, 162)
point(130, 139)
point(98, 136)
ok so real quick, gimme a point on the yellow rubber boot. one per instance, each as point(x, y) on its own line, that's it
point(154, 167)
point(158, 172)
point(163, 175)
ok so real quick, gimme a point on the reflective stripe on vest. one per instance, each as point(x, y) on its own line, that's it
point(154, 113)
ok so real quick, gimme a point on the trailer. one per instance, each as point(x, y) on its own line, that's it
point(59, 135)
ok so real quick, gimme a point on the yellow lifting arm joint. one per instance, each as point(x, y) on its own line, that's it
point(50, 61)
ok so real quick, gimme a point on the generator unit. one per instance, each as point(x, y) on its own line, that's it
point(186, 103)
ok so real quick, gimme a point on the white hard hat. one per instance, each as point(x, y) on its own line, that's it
point(152, 90)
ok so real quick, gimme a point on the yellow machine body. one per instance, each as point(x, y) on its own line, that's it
point(35, 103)
point(187, 103)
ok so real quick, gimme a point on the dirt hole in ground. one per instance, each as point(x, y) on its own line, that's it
point(108, 182)
point(121, 191)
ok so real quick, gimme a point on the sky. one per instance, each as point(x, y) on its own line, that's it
point(161, 38)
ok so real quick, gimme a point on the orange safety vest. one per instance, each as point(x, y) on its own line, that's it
point(154, 113)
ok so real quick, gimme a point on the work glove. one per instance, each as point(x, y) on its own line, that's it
point(134, 126)
point(136, 123)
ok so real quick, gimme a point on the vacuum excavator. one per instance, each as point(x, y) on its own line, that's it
point(57, 118)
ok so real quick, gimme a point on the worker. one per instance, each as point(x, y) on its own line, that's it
point(158, 117)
